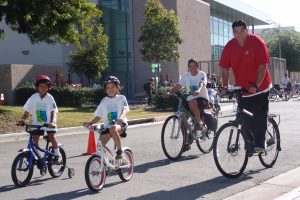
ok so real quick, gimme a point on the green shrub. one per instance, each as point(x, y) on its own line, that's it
point(23, 92)
point(64, 96)
point(161, 102)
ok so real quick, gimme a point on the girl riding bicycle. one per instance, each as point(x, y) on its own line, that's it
point(113, 110)
point(43, 109)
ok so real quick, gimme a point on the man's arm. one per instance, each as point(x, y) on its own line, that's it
point(225, 76)
point(260, 77)
point(261, 74)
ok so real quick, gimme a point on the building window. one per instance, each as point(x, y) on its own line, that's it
point(116, 22)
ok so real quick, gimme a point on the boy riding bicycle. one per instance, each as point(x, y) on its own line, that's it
point(113, 110)
point(195, 83)
point(43, 109)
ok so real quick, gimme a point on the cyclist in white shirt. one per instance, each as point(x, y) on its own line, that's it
point(194, 82)
point(112, 109)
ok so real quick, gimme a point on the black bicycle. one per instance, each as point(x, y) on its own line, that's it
point(178, 131)
point(233, 145)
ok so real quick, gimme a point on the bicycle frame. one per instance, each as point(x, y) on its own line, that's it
point(183, 115)
point(104, 152)
point(33, 149)
point(239, 121)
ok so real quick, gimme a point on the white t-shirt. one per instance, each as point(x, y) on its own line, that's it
point(40, 109)
point(285, 81)
point(191, 83)
point(111, 108)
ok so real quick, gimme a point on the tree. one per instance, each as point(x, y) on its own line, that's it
point(90, 58)
point(75, 22)
point(160, 34)
point(289, 46)
point(50, 21)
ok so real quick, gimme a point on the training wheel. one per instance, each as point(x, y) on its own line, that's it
point(71, 172)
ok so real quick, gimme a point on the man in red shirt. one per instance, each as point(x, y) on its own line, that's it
point(247, 55)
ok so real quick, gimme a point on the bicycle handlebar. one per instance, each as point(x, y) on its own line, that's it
point(29, 126)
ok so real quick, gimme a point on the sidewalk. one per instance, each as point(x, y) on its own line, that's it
point(285, 186)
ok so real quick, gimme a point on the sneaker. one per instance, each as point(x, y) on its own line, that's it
point(258, 150)
point(120, 155)
point(199, 126)
point(57, 159)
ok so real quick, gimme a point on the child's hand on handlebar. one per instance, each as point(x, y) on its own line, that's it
point(21, 122)
point(87, 125)
point(51, 125)
point(119, 121)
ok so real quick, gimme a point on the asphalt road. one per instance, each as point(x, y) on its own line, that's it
point(194, 176)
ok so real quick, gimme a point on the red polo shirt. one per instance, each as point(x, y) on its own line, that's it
point(244, 60)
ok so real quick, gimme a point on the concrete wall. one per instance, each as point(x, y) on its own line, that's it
point(142, 69)
point(14, 47)
point(194, 24)
point(13, 75)
point(194, 19)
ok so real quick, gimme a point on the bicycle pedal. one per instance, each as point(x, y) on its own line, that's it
point(187, 147)
point(43, 171)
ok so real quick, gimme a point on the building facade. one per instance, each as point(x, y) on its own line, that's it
point(205, 26)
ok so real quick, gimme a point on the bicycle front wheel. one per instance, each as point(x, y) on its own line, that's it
point(172, 138)
point(270, 156)
point(56, 169)
point(230, 151)
point(95, 173)
point(22, 169)
point(126, 167)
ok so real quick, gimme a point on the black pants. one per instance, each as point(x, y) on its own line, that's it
point(259, 106)
point(149, 94)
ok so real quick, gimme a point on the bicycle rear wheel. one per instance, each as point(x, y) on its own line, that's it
point(269, 158)
point(95, 173)
point(230, 151)
point(205, 142)
point(21, 172)
point(126, 172)
point(172, 138)
point(56, 169)
point(272, 96)
point(295, 93)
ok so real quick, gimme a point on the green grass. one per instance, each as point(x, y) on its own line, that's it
point(71, 116)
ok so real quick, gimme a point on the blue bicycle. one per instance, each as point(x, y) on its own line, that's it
point(23, 164)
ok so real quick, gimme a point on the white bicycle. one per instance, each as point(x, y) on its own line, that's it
point(103, 163)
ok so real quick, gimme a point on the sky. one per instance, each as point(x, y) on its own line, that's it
point(283, 12)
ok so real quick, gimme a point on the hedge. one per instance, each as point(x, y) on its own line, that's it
point(64, 96)
point(161, 102)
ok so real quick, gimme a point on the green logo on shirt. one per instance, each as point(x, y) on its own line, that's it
point(41, 116)
point(193, 88)
point(112, 116)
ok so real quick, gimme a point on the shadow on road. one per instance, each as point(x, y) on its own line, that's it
point(158, 163)
point(199, 190)
point(194, 191)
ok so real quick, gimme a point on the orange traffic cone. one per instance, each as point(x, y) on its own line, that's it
point(91, 144)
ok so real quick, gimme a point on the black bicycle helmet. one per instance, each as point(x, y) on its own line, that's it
point(42, 79)
point(111, 79)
